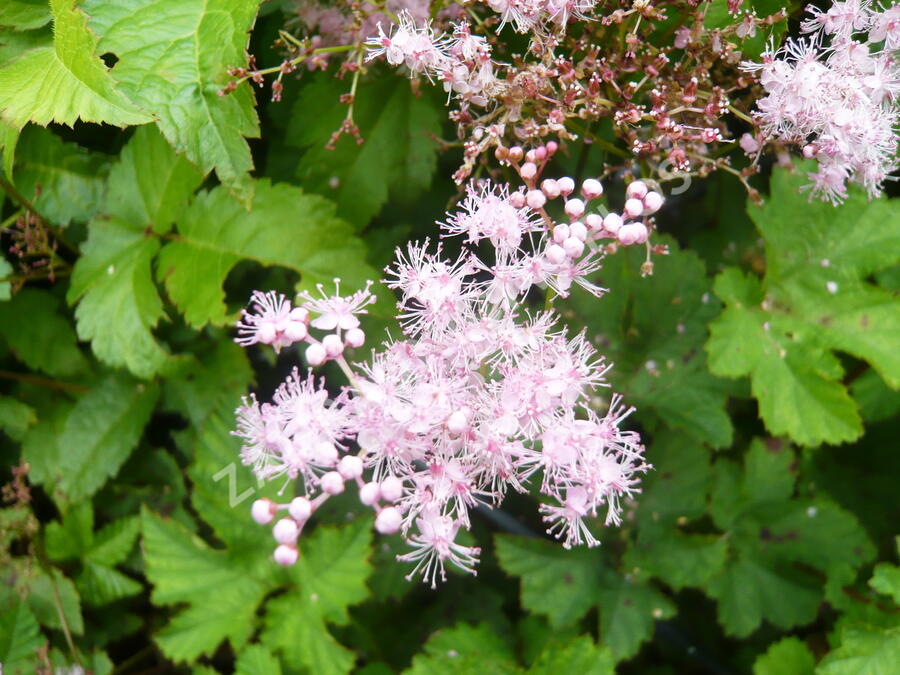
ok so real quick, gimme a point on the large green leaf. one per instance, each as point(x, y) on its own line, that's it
point(20, 638)
point(651, 328)
point(398, 156)
point(100, 433)
point(815, 299)
point(580, 656)
point(864, 650)
point(119, 304)
point(24, 14)
point(467, 650)
point(62, 79)
point(172, 61)
point(63, 181)
point(284, 227)
point(789, 656)
point(45, 341)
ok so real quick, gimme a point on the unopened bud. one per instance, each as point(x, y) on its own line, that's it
point(316, 355)
point(286, 531)
point(389, 520)
point(350, 467)
point(574, 208)
point(633, 207)
point(332, 483)
point(263, 511)
point(636, 189)
point(369, 493)
point(286, 555)
point(391, 488)
point(591, 188)
point(354, 338)
point(300, 509)
point(535, 199)
point(333, 345)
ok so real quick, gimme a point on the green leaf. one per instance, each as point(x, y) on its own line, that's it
point(41, 448)
point(63, 181)
point(863, 649)
point(24, 14)
point(257, 660)
point(45, 341)
point(330, 577)
point(886, 578)
point(580, 656)
point(72, 537)
point(6, 270)
point(775, 540)
point(119, 303)
point(15, 417)
point(629, 610)
point(652, 328)
point(100, 584)
point(173, 56)
point(101, 432)
point(20, 638)
point(50, 594)
point(815, 299)
point(561, 584)
point(183, 569)
point(284, 227)
point(464, 649)
point(398, 156)
point(876, 400)
point(789, 656)
point(63, 80)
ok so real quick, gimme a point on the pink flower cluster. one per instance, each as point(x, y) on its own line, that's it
point(537, 15)
point(462, 61)
point(481, 395)
point(835, 94)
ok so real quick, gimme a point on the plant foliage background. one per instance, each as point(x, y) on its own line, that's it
point(764, 539)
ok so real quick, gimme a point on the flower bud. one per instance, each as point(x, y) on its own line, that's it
point(594, 222)
point(540, 153)
point(633, 207)
point(632, 233)
point(550, 188)
point(286, 555)
point(391, 489)
point(332, 483)
point(552, 147)
point(528, 170)
point(578, 230)
point(566, 185)
point(263, 511)
point(535, 199)
point(369, 493)
point(560, 233)
point(296, 331)
point(300, 314)
point(636, 190)
point(516, 153)
point(612, 222)
point(316, 355)
point(300, 509)
point(556, 254)
point(286, 531)
point(573, 247)
point(591, 188)
point(267, 333)
point(652, 202)
point(389, 520)
point(333, 345)
point(517, 199)
point(354, 338)
point(350, 467)
point(575, 208)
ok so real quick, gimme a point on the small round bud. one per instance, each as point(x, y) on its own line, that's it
point(332, 483)
point(501, 153)
point(531, 156)
point(591, 188)
point(809, 151)
point(296, 331)
point(316, 355)
point(652, 202)
point(612, 222)
point(573, 247)
point(535, 199)
point(300, 509)
point(354, 338)
point(632, 233)
point(263, 511)
point(458, 422)
point(566, 185)
point(391, 488)
point(575, 208)
point(528, 170)
point(286, 531)
point(540, 153)
point(333, 345)
point(326, 454)
point(594, 222)
point(552, 147)
point(517, 199)
point(389, 520)
point(350, 467)
point(516, 153)
point(550, 188)
point(556, 254)
point(286, 555)
point(578, 230)
point(636, 190)
point(633, 207)
point(369, 493)
point(560, 233)
point(300, 314)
